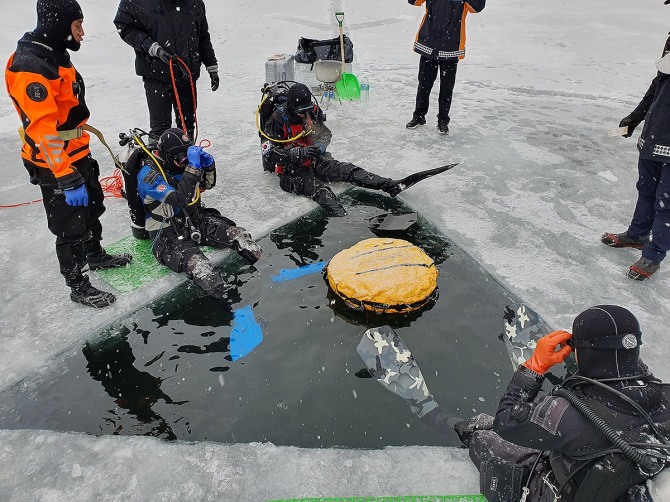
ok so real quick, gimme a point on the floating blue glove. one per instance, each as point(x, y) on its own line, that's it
point(287, 274)
point(77, 196)
point(206, 160)
point(193, 154)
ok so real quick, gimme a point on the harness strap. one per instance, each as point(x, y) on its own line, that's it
point(70, 134)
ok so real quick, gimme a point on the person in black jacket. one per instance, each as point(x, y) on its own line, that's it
point(161, 31)
point(441, 44)
point(649, 229)
point(547, 446)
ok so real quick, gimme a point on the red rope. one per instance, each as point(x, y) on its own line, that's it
point(7, 206)
point(111, 187)
point(176, 95)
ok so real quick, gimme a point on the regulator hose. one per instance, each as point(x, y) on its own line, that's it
point(648, 466)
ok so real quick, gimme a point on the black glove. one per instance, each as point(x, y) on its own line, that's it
point(297, 154)
point(214, 76)
point(300, 153)
point(158, 52)
point(631, 123)
point(163, 55)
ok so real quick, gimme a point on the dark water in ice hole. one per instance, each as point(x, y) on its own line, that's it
point(165, 371)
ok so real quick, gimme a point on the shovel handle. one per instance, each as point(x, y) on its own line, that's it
point(340, 18)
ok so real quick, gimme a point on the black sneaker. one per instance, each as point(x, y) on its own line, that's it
point(442, 126)
point(105, 260)
point(90, 296)
point(643, 269)
point(416, 122)
point(623, 241)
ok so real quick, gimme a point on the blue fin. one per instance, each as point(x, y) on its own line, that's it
point(287, 274)
point(246, 333)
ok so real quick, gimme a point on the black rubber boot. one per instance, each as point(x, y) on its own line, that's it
point(102, 260)
point(415, 122)
point(83, 292)
point(328, 200)
point(362, 178)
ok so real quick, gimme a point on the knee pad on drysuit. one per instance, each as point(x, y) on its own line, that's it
point(174, 253)
point(245, 246)
point(325, 197)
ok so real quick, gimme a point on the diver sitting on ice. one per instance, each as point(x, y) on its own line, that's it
point(294, 139)
point(169, 184)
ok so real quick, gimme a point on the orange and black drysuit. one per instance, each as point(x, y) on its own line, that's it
point(48, 94)
point(308, 176)
point(441, 43)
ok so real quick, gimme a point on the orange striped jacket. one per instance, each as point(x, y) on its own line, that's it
point(441, 34)
point(49, 96)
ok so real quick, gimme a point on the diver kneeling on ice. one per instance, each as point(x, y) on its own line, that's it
point(601, 435)
point(294, 139)
point(169, 184)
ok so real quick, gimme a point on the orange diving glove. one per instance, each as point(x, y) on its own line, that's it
point(545, 354)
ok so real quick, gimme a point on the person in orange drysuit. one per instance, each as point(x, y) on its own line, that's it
point(49, 96)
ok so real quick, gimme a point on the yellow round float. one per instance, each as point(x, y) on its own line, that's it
point(383, 276)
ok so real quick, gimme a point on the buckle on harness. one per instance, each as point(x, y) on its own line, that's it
point(525, 491)
point(195, 234)
point(71, 134)
point(552, 487)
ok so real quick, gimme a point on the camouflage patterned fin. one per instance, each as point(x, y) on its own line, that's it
point(523, 328)
point(391, 363)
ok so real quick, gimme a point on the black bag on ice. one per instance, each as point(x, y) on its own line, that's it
point(310, 50)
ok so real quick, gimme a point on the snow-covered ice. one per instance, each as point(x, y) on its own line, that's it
point(539, 181)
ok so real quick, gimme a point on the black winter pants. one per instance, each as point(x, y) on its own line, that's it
point(77, 229)
point(652, 211)
point(309, 182)
point(177, 249)
point(161, 101)
point(427, 75)
point(174, 247)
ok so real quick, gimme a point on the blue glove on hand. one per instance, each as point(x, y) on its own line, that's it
point(321, 145)
point(193, 154)
point(206, 160)
point(77, 196)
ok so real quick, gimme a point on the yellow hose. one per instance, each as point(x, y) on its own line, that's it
point(196, 197)
point(258, 126)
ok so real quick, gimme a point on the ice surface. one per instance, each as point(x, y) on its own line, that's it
point(539, 181)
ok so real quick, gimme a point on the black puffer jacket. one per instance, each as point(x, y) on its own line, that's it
point(654, 142)
point(179, 26)
point(441, 35)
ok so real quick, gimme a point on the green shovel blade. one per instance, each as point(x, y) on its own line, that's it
point(348, 87)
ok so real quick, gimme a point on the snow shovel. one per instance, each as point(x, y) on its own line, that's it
point(347, 87)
